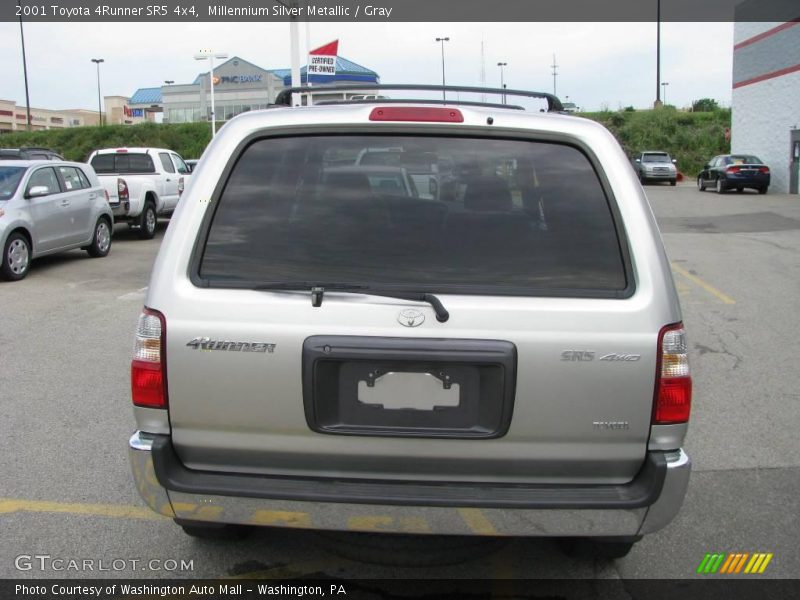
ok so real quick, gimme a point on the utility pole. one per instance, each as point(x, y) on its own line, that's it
point(25, 71)
point(554, 66)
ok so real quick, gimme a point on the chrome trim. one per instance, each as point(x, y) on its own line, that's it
point(141, 441)
point(679, 468)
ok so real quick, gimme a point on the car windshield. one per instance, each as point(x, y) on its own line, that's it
point(9, 181)
point(511, 216)
point(742, 159)
point(656, 157)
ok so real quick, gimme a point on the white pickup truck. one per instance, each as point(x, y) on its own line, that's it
point(142, 183)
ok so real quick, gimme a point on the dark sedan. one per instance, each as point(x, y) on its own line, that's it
point(734, 172)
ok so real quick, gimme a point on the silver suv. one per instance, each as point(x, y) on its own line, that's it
point(505, 358)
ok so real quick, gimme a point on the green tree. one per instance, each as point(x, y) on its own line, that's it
point(705, 105)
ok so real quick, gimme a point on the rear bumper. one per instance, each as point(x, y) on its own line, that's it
point(644, 505)
point(120, 210)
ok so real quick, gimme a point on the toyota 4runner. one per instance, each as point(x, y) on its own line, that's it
point(320, 349)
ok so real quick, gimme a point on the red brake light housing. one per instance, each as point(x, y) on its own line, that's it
point(122, 190)
point(432, 114)
point(733, 169)
point(673, 389)
point(764, 170)
point(149, 364)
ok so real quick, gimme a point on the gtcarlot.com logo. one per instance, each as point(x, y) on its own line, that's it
point(46, 562)
point(734, 563)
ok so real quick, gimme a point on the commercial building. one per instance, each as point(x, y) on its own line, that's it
point(14, 117)
point(766, 98)
point(239, 86)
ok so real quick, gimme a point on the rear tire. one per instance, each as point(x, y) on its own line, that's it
point(16, 258)
point(762, 190)
point(101, 241)
point(214, 531)
point(720, 186)
point(148, 221)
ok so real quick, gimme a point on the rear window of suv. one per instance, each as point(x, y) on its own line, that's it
point(123, 163)
point(500, 216)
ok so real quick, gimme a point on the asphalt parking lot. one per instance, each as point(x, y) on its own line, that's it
point(66, 490)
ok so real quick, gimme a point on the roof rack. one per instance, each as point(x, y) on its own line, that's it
point(284, 98)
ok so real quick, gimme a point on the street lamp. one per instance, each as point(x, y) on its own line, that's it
point(443, 40)
point(664, 85)
point(210, 55)
point(97, 61)
point(169, 81)
point(502, 82)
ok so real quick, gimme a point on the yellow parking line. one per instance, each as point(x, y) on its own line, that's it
point(119, 511)
point(477, 521)
point(706, 286)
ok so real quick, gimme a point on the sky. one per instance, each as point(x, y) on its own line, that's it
point(600, 65)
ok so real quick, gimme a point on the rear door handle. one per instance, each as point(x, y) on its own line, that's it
point(65, 203)
point(169, 179)
point(92, 196)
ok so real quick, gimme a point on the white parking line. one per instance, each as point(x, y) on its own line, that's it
point(137, 295)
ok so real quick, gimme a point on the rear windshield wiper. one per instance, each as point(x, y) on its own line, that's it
point(318, 291)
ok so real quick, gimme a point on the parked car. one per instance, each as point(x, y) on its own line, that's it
point(509, 361)
point(47, 208)
point(656, 166)
point(734, 172)
point(142, 184)
point(30, 153)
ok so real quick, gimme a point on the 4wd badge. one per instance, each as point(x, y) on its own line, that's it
point(411, 317)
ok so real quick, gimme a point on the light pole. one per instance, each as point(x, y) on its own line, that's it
point(658, 53)
point(97, 61)
point(169, 81)
point(664, 85)
point(210, 55)
point(25, 71)
point(443, 40)
point(502, 81)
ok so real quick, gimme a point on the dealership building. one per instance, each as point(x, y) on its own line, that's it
point(14, 117)
point(766, 98)
point(239, 86)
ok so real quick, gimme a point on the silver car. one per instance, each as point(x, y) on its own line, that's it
point(507, 358)
point(48, 207)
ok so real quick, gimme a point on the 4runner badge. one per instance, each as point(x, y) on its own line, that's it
point(204, 343)
point(411, 317)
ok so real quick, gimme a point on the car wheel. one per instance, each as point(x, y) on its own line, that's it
point(739, 189)
point(762, 190)
point(101, 242)
point(147, 222)
point(701, 185)
point(673, 182)
point(214, 531)
point(16, 257)
point(720, 186)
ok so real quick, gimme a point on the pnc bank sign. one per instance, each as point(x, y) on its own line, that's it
point(236, 79)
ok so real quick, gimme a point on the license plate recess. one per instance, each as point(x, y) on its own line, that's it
point(409, 387)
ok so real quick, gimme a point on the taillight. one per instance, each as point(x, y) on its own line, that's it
point(673, 393)
point(764, 170)
point(108, 198)
point(122, 190)
point(181, 185)
point(149, 364)
point(416, 113)
point(733, 169)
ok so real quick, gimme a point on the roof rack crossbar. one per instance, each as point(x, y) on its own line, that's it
point(285, 96)
point(421, 101)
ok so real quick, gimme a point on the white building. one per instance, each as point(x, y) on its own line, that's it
point(766, 98)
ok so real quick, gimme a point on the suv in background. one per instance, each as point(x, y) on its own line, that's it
point(656, 166)
point(30, 153)
point(506, 358)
